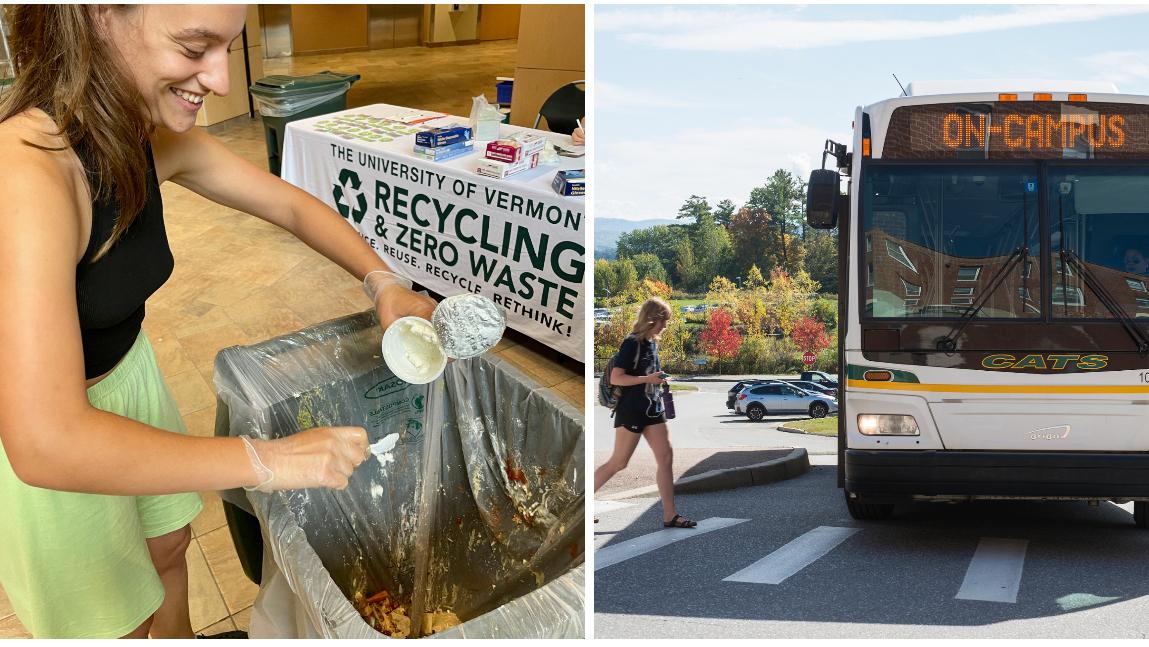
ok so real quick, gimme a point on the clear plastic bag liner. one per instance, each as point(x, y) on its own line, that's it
point(298, 100)
point(502, 513)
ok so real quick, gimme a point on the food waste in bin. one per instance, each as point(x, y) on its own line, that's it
point(468, 511)
point(388, 617)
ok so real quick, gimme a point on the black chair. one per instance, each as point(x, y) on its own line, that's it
point(563, 107)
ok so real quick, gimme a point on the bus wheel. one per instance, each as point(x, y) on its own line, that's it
point(756, 412)
point(868, 511)
point(1141, 514)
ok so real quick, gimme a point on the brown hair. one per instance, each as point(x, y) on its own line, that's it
point(649, 315)
point(64, 67)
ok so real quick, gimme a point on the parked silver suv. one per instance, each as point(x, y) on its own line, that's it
point(777, 398)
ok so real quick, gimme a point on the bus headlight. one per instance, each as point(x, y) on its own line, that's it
point(870, 424)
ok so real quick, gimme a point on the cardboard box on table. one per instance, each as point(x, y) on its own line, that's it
point(502, 521)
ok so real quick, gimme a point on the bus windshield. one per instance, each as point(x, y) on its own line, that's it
point(941, 239)
point(1099, 215)
point(937, 237)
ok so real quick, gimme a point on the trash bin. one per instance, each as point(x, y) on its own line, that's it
point(484, 520)
point(284, 99)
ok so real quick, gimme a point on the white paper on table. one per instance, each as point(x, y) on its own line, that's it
point(564, 143)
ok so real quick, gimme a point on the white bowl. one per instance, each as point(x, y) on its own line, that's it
point(412, 351)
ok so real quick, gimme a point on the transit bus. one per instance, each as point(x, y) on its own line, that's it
point(994, 300)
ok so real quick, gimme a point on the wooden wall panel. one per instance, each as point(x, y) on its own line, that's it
point(328, 28)
point(499, 21)
point(552, 51)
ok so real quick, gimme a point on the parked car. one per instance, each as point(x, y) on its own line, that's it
point(814, 387)
point(774, 398)
point(732, 394)
point(601, 314)
point(819, 377)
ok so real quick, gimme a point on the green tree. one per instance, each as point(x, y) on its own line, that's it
point(784, 198)
point(723, 212)
point(712, 251)
point(648, 265)
point(694, 209)
point(822, 258)
point(660, 240)
point(825, 310)
point(605, 278)
point(686, 269)
point(626, 281)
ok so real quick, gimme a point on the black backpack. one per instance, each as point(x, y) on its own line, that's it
point(608, 394)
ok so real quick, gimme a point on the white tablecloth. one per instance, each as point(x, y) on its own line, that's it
point(446, 227)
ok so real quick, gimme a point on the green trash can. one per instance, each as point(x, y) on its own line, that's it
point(284, 99)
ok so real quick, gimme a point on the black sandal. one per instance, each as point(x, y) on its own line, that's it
point(679, 521)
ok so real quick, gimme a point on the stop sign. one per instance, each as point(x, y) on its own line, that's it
point(808, 358)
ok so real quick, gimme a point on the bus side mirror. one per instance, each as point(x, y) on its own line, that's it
point(822, 199)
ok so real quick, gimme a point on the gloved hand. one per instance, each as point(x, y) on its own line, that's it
point(318, 457)
point(394, 299)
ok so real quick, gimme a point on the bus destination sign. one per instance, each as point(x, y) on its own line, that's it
point(1019, 130)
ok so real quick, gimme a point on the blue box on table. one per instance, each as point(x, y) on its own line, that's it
point(571, 182)
point(444, 153)
point(445, 136)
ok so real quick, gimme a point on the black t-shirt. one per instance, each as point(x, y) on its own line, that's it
point(647, 353)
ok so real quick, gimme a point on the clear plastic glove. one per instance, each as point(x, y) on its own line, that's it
point(394, 299)
point(319, 457)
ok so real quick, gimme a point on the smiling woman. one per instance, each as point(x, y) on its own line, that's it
point(102, 112)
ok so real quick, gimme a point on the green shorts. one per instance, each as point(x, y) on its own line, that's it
point(77, 565)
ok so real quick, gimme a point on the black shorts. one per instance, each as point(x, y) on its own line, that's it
point(634, 418)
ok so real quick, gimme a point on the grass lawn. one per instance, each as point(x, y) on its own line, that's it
point(678, 303)
point(827, 426)
point(682, 387)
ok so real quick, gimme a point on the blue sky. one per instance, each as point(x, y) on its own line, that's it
point(710, 100)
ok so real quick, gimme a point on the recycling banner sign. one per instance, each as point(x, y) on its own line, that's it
point(445, 227)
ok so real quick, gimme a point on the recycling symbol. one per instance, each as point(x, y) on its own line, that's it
point(343, 202)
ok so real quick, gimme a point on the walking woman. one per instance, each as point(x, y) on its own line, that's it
point(639, 412)
point(97, 476)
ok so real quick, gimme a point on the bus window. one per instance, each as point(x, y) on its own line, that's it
point(1100, 215)
point(941, 235)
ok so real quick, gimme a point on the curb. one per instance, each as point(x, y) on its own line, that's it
point(796, 463)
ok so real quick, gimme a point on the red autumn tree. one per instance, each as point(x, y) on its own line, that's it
point(809, 334)
point(719, 338)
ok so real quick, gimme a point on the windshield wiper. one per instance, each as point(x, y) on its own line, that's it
point(1106, 298)
point(949, 342)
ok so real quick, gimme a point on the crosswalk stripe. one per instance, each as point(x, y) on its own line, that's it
point(793, 557)
point(603, 507)
point(994, 573)
point(625, 550)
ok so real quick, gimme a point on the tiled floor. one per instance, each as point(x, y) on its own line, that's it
point(240, 280)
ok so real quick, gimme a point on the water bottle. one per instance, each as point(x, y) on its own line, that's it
point(667, 402)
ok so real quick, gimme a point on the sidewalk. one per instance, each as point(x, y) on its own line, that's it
point(699, 470)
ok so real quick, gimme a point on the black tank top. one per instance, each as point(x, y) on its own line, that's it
point(110, 293)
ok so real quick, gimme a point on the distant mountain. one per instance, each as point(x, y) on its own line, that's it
point(607, 231)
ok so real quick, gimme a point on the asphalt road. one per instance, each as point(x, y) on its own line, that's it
point(704, 422)
point(988, 569)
